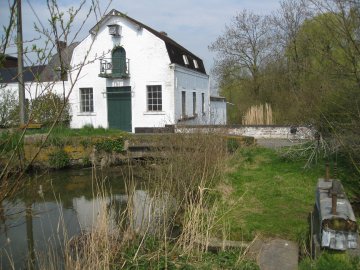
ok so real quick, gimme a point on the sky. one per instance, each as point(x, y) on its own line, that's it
point(194, 24)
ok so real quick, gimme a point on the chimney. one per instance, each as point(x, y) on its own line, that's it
point(163, 33)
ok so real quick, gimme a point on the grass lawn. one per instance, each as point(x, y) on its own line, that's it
point(76, 132)
point(276, 195)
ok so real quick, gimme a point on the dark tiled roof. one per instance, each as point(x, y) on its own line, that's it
point(175, 50)
point(41, 73)
point(9, 75)
point(52, 69)
point(7, 61)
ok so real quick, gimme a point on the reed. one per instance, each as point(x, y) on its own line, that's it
point(259, 115)
point(169, 216)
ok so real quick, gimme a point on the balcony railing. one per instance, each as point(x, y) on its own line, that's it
point(114, 68)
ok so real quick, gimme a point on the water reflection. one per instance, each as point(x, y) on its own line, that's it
point(36, 219)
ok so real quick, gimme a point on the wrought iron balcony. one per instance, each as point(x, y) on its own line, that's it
point(114, 68)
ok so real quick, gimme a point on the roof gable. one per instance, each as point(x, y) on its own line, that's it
point(174, 49)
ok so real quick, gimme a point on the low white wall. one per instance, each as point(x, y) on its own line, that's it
point(258, 132)
point(218, 112)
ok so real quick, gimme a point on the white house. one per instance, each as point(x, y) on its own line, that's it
point(125, 75)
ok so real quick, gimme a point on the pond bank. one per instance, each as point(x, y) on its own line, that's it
point(105, 151)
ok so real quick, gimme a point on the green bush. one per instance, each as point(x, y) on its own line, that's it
point(8, 141)
point(59, 159)
point(111, 144)
point(46, 108)
point(9, 108)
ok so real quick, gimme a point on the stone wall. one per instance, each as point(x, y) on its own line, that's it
point(258, 132)
point(79, 151)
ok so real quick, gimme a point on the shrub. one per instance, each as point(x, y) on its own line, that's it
point(46, 108)
point(8, 141)
point(111, 144)
point(8, 108)
point(59, 159)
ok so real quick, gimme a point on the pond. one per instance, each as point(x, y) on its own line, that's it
point(52, 205)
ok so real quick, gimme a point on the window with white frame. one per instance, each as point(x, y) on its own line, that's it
point(203, 103)
point(183, 104)
point(196, 65)
point(194, 103)
point(154, 98)
point(186, 60)
point(86, 100)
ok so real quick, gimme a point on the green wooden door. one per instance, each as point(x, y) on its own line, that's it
point(119, 107)
point(118, 62)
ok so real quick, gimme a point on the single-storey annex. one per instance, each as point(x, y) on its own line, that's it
point(125, 75)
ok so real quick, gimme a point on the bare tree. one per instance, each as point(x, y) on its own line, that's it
point(245, 43)
point(287, 22)
point(341, 20)
point(60, 26)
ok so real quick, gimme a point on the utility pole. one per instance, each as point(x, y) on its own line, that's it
point(20, 64)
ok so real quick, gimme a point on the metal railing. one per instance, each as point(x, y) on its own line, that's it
point(114, 69)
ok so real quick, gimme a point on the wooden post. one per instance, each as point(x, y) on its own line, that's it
point(327, 172)
point(20, 65)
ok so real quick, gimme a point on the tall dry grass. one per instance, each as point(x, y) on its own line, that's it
point(93, 248)
point(259, 115)
point(189, 169)
point(175, 206)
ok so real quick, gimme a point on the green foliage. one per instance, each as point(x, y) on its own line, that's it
point(228, 260)
point(8, 141)
point(86, 162)
point(85, 143)
point(59, 159)
point(88, 128)
point(46, 108)
point(110, 145)
point(311, 77)
point(152, 256)
point(86, 131)
point(8, 108)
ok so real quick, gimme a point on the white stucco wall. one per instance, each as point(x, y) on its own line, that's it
point(149, 65)
point(191, 82)
point(218, 114)
point(34, 89)
point(258, 132)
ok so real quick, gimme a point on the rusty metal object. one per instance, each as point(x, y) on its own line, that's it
point(333, 202)
point(336, 189)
